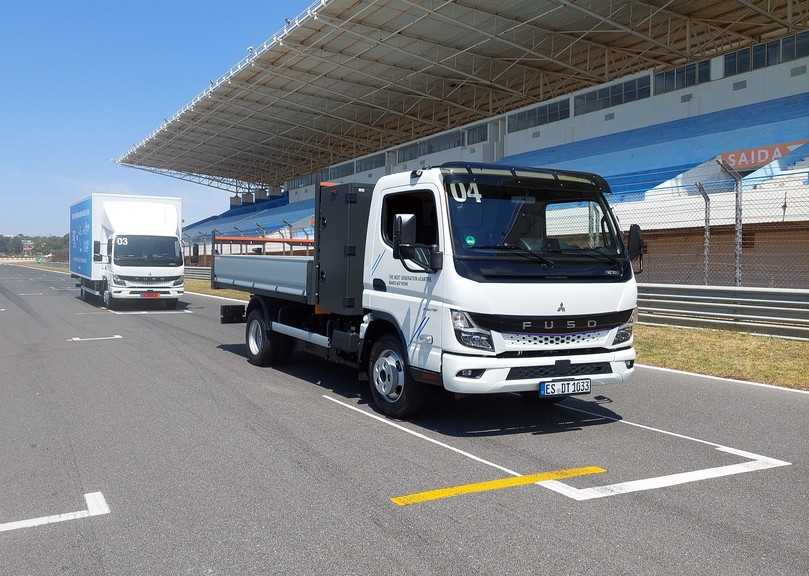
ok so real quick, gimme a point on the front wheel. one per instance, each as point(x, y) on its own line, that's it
point(109, 301)
point(264, 347)
point(393, 389)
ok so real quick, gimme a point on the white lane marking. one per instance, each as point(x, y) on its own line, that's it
point(721, 379)
point(31, 294)
point(217, 297)
point(62, 289)
point(96, 506)
point(422, 436)
point(2, 309)
point(116, 337)
point(148, 312)
point(757, 462)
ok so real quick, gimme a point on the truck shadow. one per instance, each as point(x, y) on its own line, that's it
point(457, 416)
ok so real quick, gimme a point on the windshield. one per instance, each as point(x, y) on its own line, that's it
point(147, 251)
point(505, 227)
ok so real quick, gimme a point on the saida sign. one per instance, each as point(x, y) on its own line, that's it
point(753, 158)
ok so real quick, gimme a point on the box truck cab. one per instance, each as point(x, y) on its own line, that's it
point(476, 278)
point(127, 248)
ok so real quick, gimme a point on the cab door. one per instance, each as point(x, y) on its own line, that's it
point(401, 291)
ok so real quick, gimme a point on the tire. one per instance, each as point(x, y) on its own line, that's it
point(170, 304)
point(263, 347)
point(393, 390)
point(109, 301)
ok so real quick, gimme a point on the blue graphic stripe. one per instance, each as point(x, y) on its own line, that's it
point(377, 262)
point(420, 328)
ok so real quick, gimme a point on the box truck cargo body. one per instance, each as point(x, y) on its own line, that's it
point(471, 277)
point(127, 248)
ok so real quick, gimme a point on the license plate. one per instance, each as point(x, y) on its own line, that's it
point(564, 387)
point(150, 295)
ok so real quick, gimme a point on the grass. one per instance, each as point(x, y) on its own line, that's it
point(204, 287)
point(58, 266)
point(715, 352)
point(724, 353)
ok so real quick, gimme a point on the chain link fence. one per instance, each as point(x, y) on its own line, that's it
point(733, 232)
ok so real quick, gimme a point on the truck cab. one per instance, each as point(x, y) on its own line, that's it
point(502, 279)
point(475, 278)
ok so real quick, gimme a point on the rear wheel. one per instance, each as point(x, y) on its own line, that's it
point(264, 347)
point(393, 389)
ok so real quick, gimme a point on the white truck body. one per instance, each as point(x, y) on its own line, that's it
point(127, 247)
point(472, 311)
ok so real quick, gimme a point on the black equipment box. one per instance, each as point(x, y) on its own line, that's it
point(341, 222)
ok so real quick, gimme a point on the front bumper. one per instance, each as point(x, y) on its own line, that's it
point(495, 377)
point(136, 293)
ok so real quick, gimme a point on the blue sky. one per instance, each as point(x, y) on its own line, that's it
point(83, 81)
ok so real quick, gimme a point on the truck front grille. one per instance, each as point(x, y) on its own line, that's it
point(558, 370)
point(525, 340)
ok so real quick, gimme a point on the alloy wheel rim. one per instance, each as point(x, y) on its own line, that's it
point(389, 376)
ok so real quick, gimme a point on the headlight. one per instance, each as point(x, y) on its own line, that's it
point(179, 281)
point(118, 281)
point(469, 334)
point(624, 333)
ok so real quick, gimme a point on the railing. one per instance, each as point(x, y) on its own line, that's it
point(198, 272)
point(771, 311)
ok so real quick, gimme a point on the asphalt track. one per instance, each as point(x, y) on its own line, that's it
point(196, 462)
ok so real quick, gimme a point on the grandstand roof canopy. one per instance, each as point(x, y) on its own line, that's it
point(351, 77)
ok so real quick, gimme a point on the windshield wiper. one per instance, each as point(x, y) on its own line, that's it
point(519, 251)
point(593, 255)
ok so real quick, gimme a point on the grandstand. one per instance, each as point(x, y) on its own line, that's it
point(658, 98)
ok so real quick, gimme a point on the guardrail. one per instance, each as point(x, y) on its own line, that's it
point(772, 311)
point(198, 272)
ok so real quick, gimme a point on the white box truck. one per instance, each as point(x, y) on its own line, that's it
point(127, 248)
point(472, 277)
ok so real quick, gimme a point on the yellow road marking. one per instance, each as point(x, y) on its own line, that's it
point(511, 482)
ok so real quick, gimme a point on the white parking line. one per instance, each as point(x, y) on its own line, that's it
point(116, 337)
point(149, 312)
point(756, 461)
point(96, 506)
point(31, 294)
point(721, 379)
point(62, 289)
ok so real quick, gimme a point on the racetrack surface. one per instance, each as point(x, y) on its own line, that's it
point(212, 466)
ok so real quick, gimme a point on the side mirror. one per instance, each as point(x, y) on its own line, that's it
point(636, 246)
point(404, 233)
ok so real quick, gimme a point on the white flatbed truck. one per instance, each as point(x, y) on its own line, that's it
point(472, 277)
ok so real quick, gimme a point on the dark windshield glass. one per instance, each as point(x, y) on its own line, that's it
point(544, 231)
point(147, 251)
